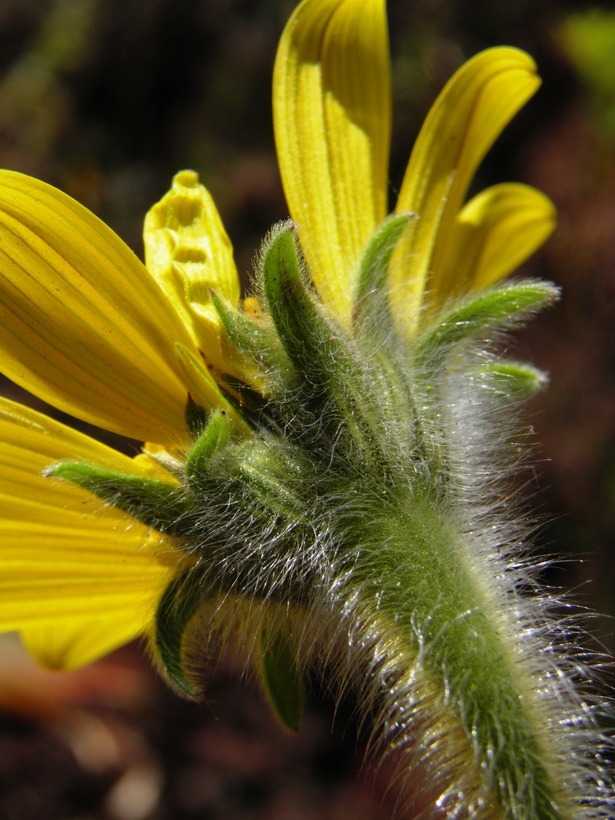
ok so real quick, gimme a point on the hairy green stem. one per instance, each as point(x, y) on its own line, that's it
point(415, 565)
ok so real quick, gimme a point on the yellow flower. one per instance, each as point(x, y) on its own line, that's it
point(88, 328)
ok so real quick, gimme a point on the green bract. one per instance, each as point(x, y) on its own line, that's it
point(344, 505)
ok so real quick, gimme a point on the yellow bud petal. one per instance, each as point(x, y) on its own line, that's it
point(332, 118)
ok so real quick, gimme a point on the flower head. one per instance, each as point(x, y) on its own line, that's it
point(321, 472)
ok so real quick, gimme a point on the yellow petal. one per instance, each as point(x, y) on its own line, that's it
point(190, 255)
point(493, 234)
point(474, 107)
point(332, 118)
point(63, 553)
point(70, 644)
point(82, 323)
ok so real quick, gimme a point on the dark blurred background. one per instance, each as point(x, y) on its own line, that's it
point(107, 99)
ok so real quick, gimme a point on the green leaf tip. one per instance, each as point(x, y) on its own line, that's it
point(489, 310)
point(158, 504)
point(331, 379)
point(213, 439)
point(252, 339)
point(283, 287)
point(370, 312)
point(515, 378)
point(178, 605)
point(281, 679)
